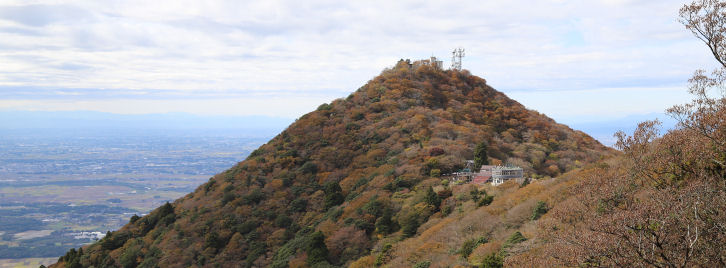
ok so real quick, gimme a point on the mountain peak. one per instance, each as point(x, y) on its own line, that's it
point(356, 172)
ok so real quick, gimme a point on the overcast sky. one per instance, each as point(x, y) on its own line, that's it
point(573, 60)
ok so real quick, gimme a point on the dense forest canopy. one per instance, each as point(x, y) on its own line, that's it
point(359, 183)
point(355, 172)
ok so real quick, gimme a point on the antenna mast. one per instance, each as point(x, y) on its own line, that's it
point(456, 56)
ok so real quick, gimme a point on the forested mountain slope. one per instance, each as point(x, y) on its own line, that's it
point(662, 203)
point(359, 179)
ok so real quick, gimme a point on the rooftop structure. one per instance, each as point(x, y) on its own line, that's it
point(433, 62)
point(438, 64)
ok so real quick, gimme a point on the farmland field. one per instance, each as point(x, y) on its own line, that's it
point(63, 190)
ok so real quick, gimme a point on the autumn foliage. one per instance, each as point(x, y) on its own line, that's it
point(662, 204)
point(344, 180)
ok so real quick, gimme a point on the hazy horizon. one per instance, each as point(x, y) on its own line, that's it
point(250, 126)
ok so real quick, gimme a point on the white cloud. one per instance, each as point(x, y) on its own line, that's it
point(309, 46)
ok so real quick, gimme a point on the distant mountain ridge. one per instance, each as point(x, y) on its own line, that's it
point(344, 183)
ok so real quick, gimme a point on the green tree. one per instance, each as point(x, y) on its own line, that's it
point(333, 195)
point(283, 221)
point(480, 155)
point(212, 240)
point(514, 239)
point(129, 257)
point(74, 263)
point(475, 195)
point(485, 201)
point(493, 260)
point(525, 182)
point(409, 224)
point(432, 198)
point(134, 218)
point(228, 197)
point(298, 205)
point(316, 249)
point(470, 245)
point(254, 197)
point(539, 210)
point(166, 209)
point(374, 207)
point(309, 167)
point(73, 258)
point(385, 225)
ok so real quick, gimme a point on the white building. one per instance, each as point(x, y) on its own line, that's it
point(498, 174)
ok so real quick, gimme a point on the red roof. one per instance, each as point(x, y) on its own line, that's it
point(479, 179)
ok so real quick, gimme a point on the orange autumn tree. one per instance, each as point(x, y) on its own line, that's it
point(662, 204)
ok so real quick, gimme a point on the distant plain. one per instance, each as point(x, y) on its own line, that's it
point(65, 173)
point(61, 187)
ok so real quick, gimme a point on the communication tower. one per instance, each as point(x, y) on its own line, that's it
point(456, 56)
